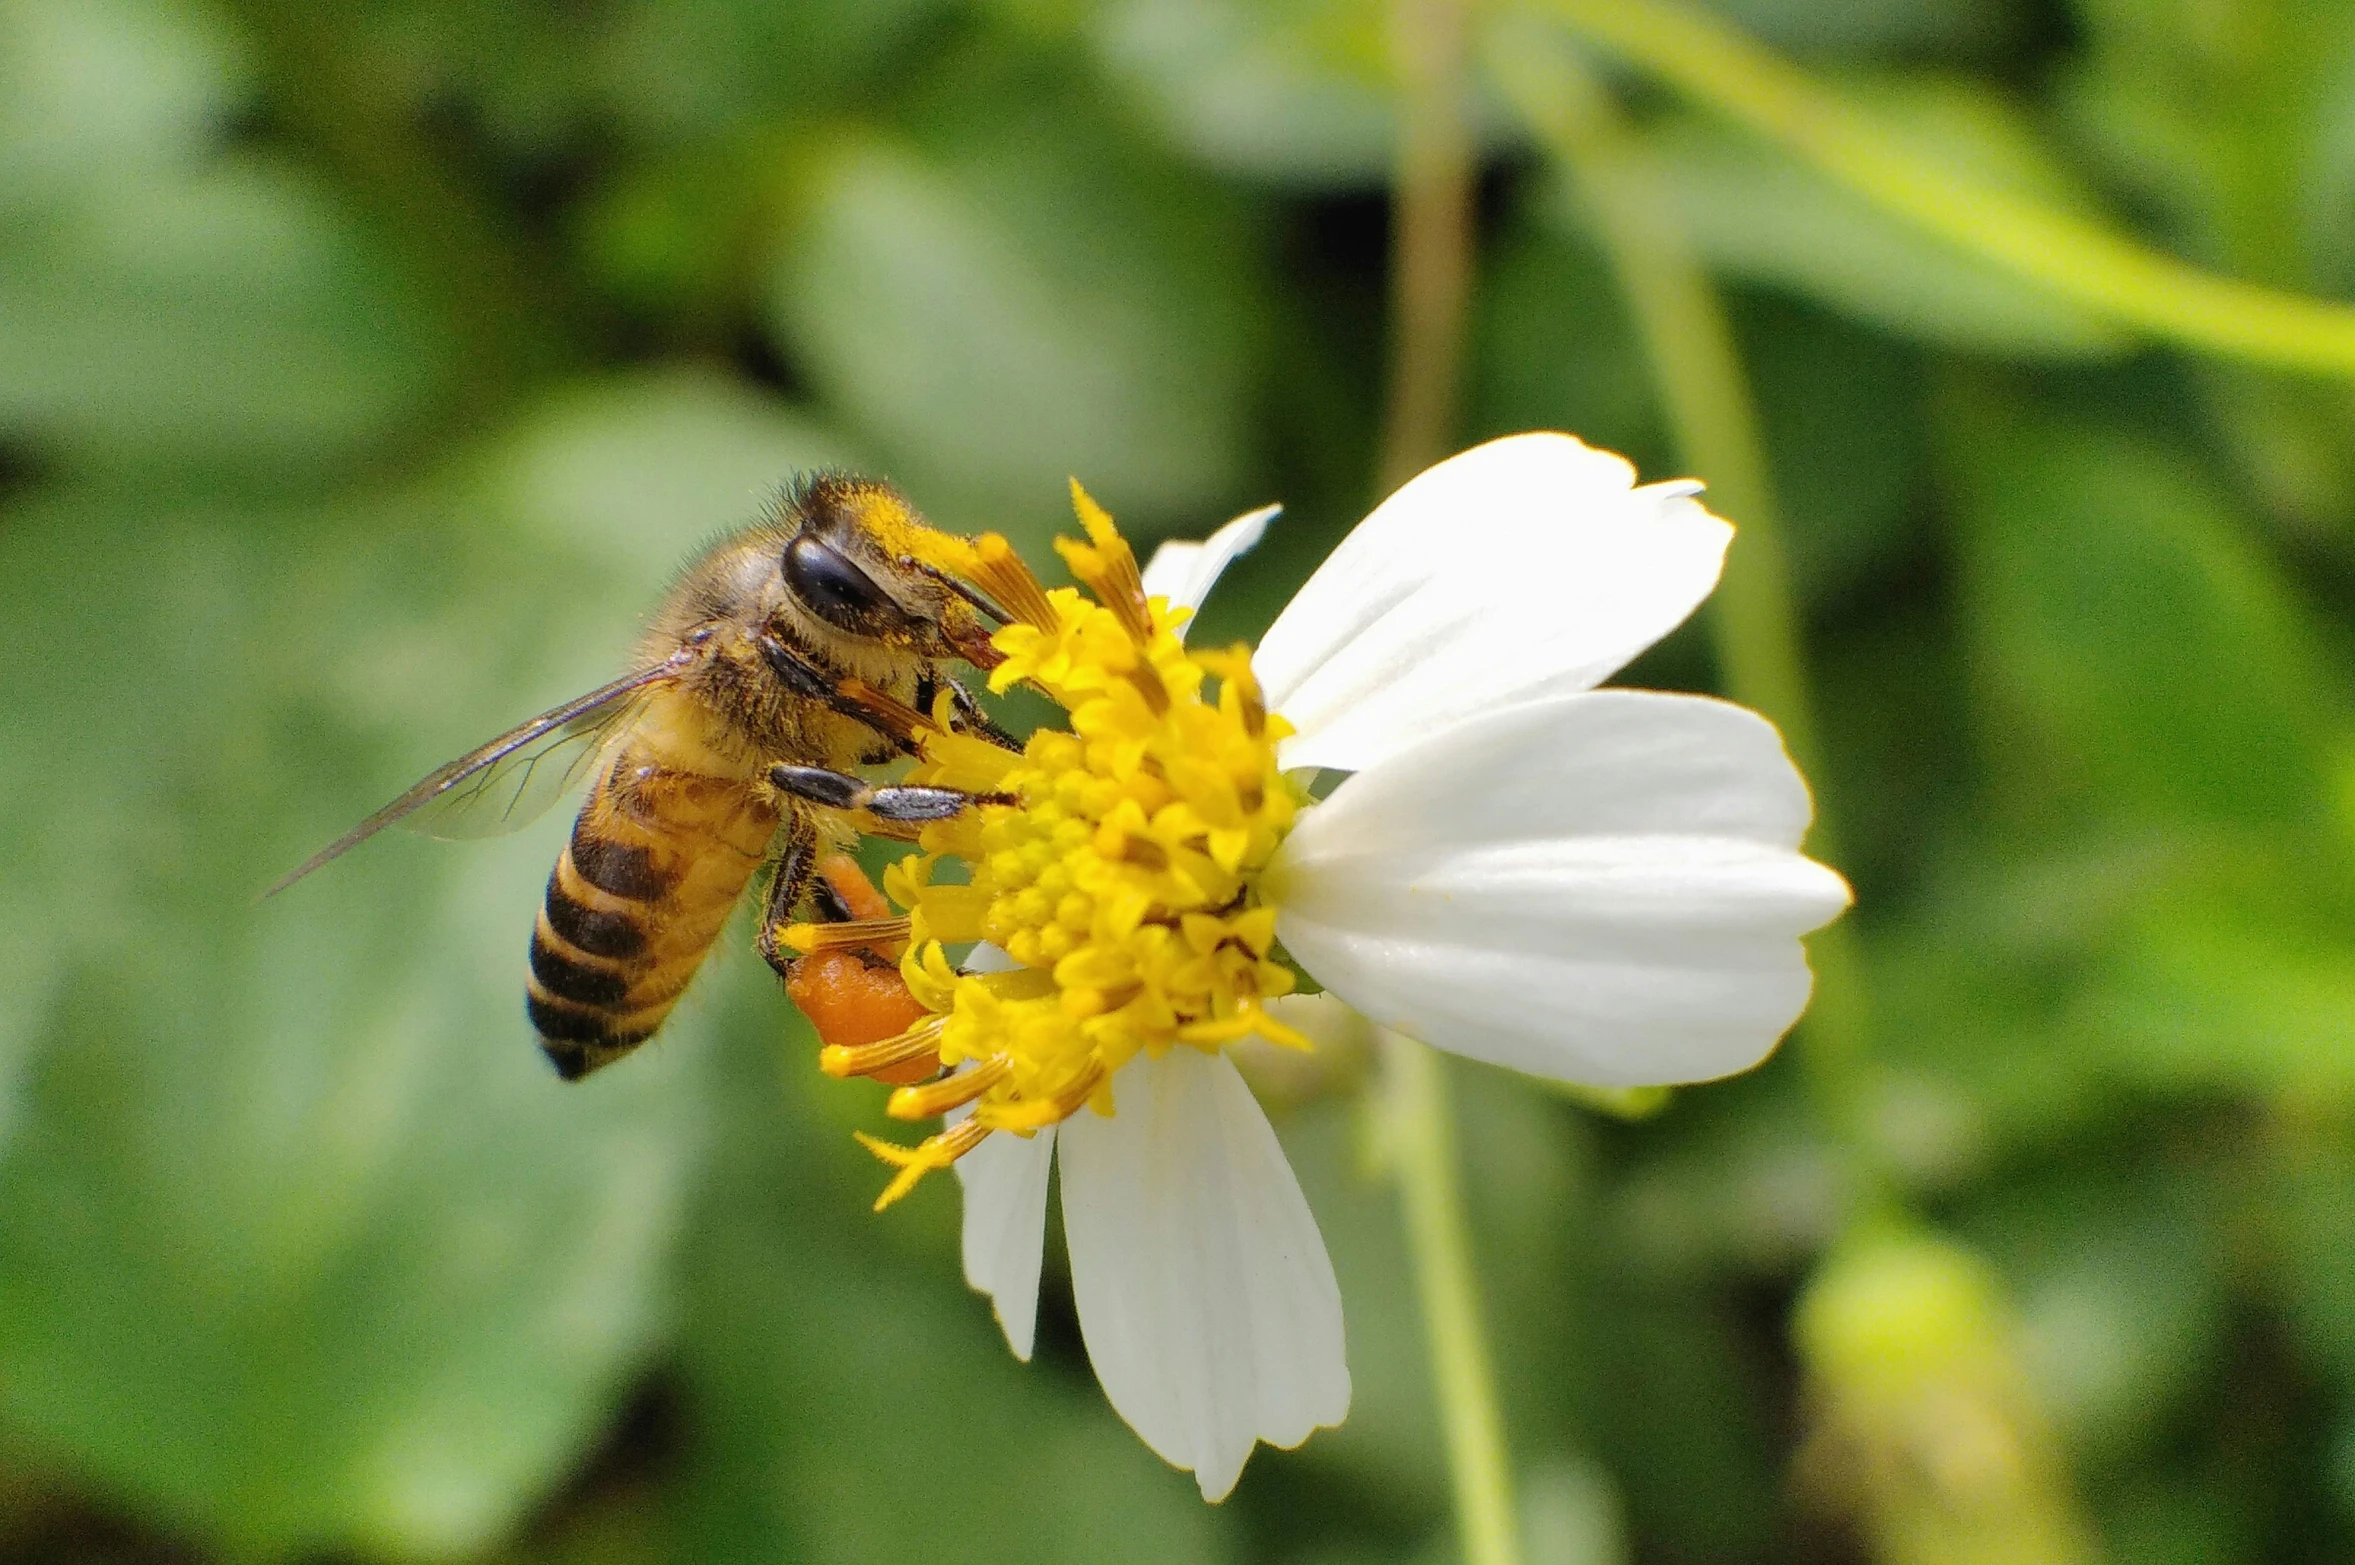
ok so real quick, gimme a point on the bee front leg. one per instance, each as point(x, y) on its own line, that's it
point(853, 698)
point(971, 719)
point(905, 805)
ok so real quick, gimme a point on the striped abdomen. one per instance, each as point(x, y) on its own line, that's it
point(657, 860)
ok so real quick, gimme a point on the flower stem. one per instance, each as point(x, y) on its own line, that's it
point(2076, 257)
point(1419, 1136)
point(1431, 237)
point(1431, 272)
point(1703, 389)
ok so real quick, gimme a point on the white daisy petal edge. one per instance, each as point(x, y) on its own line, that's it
point(1600, 887)
point(1005, 1226)
point(1205, 1295)
point(1531, 563)
point(1005, 1217)
point(1185, 572)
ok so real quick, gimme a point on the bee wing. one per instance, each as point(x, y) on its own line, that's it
point(507, 783)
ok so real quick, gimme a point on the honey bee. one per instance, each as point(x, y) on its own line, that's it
point(817, 640)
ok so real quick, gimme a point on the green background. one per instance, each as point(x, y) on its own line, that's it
point(365, 370)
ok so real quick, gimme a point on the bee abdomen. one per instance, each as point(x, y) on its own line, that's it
point(636, 900)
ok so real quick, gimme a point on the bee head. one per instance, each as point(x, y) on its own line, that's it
point(862, 562)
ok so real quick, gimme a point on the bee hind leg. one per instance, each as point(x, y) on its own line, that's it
point(796, 869)
point(847, 982)
point(834, 894)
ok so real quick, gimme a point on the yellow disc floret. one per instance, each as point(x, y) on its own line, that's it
point(1118, 880)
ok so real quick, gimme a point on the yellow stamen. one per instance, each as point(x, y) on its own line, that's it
point(1108, 565)
point(1116, 861)
point(842, 1061)
point(934, 1098)
point(1001, 573)
point(1026, 1116)
point(809, 938)
point(915, 1162)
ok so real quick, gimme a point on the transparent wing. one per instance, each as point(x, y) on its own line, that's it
point(507, 783)
point(515, 789)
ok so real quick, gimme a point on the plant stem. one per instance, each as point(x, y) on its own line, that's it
point(1690, 344)
point(1431, 271)
point(1431, 237)
point(1419, 1136)
point(2076, 257)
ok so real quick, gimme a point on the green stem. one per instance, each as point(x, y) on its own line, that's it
point(1431, 238)
point(1704, 391)
point(2077, 258)
point(1419, 1128)
point(1431, 273)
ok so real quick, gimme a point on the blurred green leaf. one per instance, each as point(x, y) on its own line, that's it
point(686, 68)
point(1032, 303)
point(1681, 1418)
point(639, 470)
point(856, 1402)
point(1761, 215)
point(1877, 28)
point(2239, 138)
point(2061, 991)
point(1571, 1514)
point(1843, 412)
point(1554, 349)
point(301, 1245)
point(1735, 1181)
point(224, 319)
point(159, 301)
point(2119, 1295)
point(107, 88)
point(2236, 126)
point(2312, 1222)
point(2140, 658)
point(1297, 91)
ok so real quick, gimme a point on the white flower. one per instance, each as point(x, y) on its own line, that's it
point(1593, 886)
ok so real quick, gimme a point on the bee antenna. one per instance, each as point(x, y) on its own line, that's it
point(966, 590)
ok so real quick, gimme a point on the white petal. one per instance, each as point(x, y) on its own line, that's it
point(1528, 565)
point(1600, 887)
point(1184, 572)
point(1205, 1295)
point(1005, 1232)
point(1005, 1181)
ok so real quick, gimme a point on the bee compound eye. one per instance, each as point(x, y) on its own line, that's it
point(835, 590)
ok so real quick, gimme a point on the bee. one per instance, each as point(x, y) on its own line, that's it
point(817, 640)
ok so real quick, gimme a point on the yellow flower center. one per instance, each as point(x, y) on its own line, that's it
point(1116, 871)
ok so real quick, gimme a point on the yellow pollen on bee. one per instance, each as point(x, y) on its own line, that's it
point(1121, 879)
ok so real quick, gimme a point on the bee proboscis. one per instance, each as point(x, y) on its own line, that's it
point(817, 640)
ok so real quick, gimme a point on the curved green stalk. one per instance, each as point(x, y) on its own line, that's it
point(2076, 258)
point(1900, 1332)
point(1431, 274)
point(1419, 1138)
